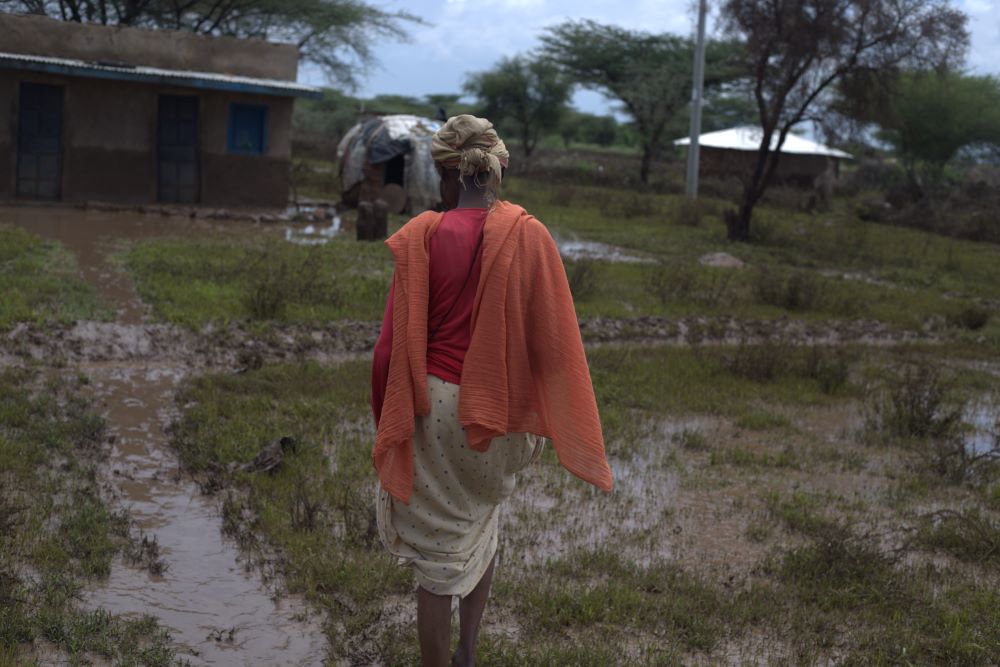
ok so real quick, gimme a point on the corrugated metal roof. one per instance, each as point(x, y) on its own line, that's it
point(747, 138)
point(144, 74)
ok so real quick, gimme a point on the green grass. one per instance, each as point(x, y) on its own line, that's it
point(840, 591)
point(56, 533)
point(38, 283)
point(932, 275)
point(601, 592)
point(636, 387)
point(801, 266)
point(833, 590)
point(260, 277)
point(317, 509)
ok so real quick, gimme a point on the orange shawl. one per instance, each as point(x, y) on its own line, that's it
point(525, 370)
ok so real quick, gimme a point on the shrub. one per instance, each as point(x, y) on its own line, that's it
point(676, 282)
point(671, 281)
point(277, 279)
point(829, 365)
point(690, 439)
point(761, 362)
point(797, 291)
point(582, 277)
point(626, 206)
point(913, 403)
point(972, 317)
point(688, 212)
point(968, 534)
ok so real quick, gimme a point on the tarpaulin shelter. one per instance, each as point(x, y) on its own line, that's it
point(389, 158)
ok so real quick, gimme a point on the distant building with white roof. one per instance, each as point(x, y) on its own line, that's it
point(733, 152)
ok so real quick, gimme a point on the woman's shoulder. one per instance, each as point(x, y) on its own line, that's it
point(531, 224)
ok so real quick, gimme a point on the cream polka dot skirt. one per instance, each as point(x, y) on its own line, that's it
point(448, 532)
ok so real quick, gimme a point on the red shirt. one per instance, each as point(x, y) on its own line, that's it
point(454, 255)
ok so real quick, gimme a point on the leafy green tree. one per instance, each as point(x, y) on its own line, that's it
point(529, 95)
point(798, 51)
point(598, 130)
point(928, 117)
point(337, 35)
point(588, 128)
point(650, 74)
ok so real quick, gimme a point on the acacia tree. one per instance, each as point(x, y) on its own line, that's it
point(797, 50)
point(337, 35)
point(650, 74)
point(928, 117)
point(528, 94)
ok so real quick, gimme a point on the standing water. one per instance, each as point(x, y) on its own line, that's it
point(216, 611)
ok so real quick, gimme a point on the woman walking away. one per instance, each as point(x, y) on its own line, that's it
point(479, 358)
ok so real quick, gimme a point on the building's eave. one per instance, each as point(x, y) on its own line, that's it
point(747, 138)
point(144, 74)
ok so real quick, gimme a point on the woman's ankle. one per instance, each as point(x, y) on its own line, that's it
point(463, 657)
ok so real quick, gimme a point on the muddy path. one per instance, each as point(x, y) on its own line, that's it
point(237, 345)
point(189, 575)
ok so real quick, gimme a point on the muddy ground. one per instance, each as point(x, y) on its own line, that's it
point(679, 502)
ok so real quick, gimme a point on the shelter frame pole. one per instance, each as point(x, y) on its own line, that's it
point(697, 91)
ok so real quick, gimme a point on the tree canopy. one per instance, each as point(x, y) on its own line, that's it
point(797, 50)
point(928, 117)
point(650, 74)
point(337, 35)
point(527, 95)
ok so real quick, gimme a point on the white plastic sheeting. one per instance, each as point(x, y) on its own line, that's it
point(373, 139)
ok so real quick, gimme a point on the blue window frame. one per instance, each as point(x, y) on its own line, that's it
point(248, 129)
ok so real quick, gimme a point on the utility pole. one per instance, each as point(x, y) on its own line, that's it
point(696, 102)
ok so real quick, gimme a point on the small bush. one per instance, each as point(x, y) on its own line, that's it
point(797, 291)
point(627, 206)
point(972, 317)
point(686, 282)
point(277, 280)
point(830, 366)
point(839, 570)
point(967, 534)
point(582, 277)
point(952, 459)
point(688, 212)
point(761, 362)
point(690, 439)
point(913, 403)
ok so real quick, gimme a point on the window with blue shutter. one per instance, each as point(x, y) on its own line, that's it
point(248, 129)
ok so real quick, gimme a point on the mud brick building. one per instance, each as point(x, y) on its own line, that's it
point(733, 152)
point(135, 116)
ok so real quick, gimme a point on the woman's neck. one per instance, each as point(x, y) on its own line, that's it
point(472, 195)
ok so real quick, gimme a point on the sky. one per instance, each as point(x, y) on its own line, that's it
point(463, 36)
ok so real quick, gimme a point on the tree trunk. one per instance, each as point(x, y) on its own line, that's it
point(526, 143)
point(647, 158)
point(738, 223)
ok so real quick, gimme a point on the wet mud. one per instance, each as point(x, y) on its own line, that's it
point(189, 576)
point(217, 611)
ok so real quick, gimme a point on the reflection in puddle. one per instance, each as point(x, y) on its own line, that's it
point(204, 590)
point(313, 234)
point(577, 250)
point(983, 416)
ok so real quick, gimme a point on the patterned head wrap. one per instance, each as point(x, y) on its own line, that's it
point(472, 146)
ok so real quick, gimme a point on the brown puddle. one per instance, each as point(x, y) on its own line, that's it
point(217, 612)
